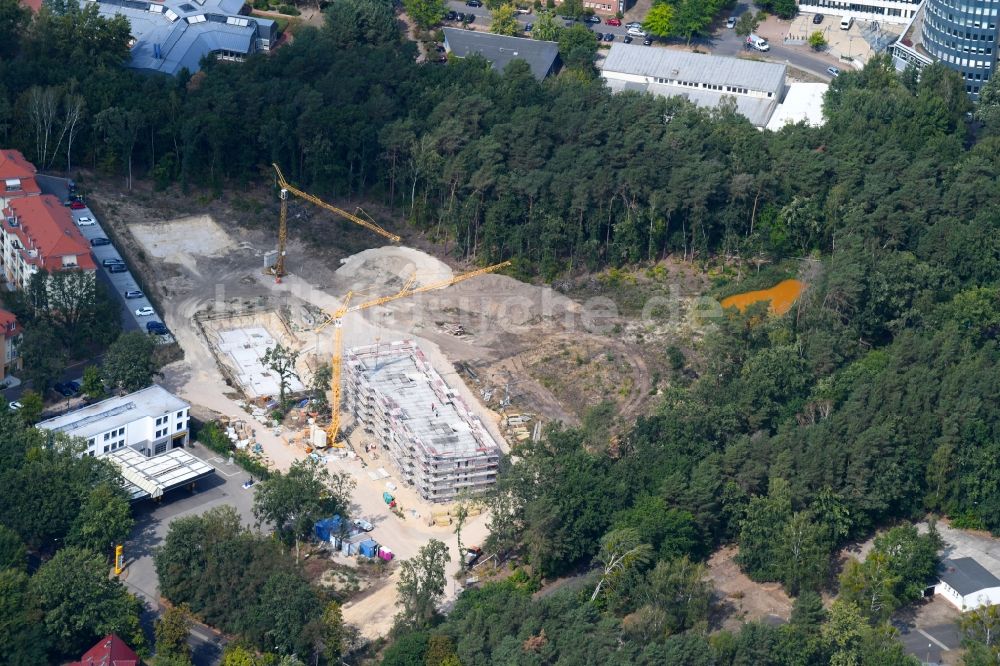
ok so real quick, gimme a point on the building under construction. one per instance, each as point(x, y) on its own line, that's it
point(436, 442)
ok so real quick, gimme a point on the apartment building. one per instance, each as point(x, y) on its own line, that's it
point(17, 177)
point(437, 444)
point(38, 232)
point(11, 339)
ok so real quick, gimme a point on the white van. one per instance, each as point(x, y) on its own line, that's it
point(846, 22)
point(757, 42)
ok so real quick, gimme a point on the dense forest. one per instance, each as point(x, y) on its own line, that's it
point(871, 403)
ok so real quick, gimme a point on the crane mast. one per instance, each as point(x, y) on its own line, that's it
point(278, 269)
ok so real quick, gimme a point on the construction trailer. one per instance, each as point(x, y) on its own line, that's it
point(437, 444)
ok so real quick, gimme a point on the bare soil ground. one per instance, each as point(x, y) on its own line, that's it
point(741, 599)
point(552, 354)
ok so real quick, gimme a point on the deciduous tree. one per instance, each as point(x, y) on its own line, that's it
point(281, 360)
point(621, 552)
point(292, 502)
point(425, 13)
point(128, 363)
point(660, 20)
point(504, 21)
point(81, 603)
point(105, 520)
point(421, 584)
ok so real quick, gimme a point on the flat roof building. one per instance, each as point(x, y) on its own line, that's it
point(756, 87)
point(499, 50)
point(153, 477)
point(174, 35)
point(437, 443)
point(150, 421)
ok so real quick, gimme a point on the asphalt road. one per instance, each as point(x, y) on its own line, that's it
point(152, 523)
point(118, 283)
point(723, 41)
point(930, 643)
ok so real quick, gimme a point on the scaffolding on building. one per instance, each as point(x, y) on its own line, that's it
point(436, 442)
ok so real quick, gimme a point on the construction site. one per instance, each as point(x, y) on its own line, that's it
point(437, 369)
point(438, 445)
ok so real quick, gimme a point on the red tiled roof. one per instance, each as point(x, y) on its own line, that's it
point(109, 651)
point(46, 225)
point(8, 324)
point(34, 5)
point(13, 166)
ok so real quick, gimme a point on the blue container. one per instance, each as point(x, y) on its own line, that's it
point(368, 548)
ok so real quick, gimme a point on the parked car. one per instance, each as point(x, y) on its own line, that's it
point(593, 19)
point(145, 311)
point(94, 242)
point(363, 524)
point(473, 3)
point(75, 386)
point(528, 27)
point(613, 21)
point(647, 41)
point(451, 16)
point(469, 18)
point(731, 22)
point(633, 24)
point(817, 18)
point(117, 268)
point(114, 261)
point(65, 390)
point(133, 293)
point(472, 554)
point(636, 32)
point(833, 71)
point(609, 37)
point(14, 405)
point(77, 205)
point(627, 39)
point(85, 221)
point(156, 328)
point(523, 10)
point(460, 17)
point(599, 36)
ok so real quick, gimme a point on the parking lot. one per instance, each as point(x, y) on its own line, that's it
point(153, 522)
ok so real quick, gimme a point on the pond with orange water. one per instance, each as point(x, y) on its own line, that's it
point(781, 295)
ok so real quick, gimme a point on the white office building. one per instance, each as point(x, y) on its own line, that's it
point(151, 421)
point(886, 11)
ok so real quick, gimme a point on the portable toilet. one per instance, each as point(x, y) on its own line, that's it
point(385, 554)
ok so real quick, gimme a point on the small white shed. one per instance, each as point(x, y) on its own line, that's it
point(967, 585)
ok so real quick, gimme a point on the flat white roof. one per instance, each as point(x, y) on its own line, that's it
point(803, 101)
point(159, 474)
point(113, 412)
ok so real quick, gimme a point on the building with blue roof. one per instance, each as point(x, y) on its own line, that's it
point(173, 35)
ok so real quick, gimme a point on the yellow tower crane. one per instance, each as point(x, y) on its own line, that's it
point(338, 333)
point(278, 270)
